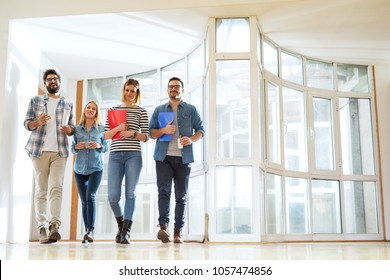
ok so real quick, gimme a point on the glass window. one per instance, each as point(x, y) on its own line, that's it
point(261, 113)
point(144, 214)
point(297, 214)
point(106, 226)
point(356, 136)
point(323, 134)
point(271, 61)
point(149, 82)
point(196, 64)
point(361, 209)
point(232, 35)
point(234, 199)
point(273, 124)
point(233, 109)
point(177, 69)
point(319, 74)
point(105, 221)
point(291, 204)
point(326, 206)
point(352, 78)
point(294, 119)
point(292, 68)
point(196, 205)
point(196, 99)
point(107, 92)
point(274, 204)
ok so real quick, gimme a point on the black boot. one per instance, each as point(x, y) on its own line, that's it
point(125, 234)
point(119, 220)
point(89, 235)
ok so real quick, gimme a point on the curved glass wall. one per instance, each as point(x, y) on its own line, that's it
point(322, 180)
point(290, 148)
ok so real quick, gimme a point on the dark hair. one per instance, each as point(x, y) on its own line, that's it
point(176, 79)
point(50, 71)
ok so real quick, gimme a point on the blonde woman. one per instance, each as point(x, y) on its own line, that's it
point(89, 144)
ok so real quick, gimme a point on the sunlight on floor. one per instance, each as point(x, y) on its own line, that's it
point(194, 251)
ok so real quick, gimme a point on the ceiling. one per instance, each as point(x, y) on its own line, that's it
point(114, 44)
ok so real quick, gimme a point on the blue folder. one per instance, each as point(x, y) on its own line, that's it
point(163, 119)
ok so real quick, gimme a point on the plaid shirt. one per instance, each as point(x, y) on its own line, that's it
point(37, 105)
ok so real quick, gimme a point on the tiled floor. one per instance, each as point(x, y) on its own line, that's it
point(195, 251)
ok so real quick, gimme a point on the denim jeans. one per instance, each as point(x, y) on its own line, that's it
point(170, 169)
point(128, 165)
point(49, 172)
point(87, 186)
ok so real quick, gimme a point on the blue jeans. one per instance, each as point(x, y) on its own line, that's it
point(87, 186)
point(129, 165)
point(170, 169)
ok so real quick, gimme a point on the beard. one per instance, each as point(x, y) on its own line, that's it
point(175, 96)
point(52, 90)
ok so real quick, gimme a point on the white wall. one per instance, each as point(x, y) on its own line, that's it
point(382, 75)
point(24, 68)
point(16, 187)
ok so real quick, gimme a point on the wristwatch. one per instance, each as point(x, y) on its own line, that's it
point(135, 134)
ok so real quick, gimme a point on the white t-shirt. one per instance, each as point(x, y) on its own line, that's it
point(51, 143)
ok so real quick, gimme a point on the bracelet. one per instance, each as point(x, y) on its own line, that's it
point(135, 134)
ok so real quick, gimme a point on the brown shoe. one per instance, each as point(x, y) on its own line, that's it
point(177, 236)
point(163, 234)
point(54, 235)
point(43, 239)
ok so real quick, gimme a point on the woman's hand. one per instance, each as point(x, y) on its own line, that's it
point(94, 145)
point(80, 146)
point(122, 127)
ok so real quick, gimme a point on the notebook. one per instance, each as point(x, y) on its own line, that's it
point(163, 119)
point(115, 118)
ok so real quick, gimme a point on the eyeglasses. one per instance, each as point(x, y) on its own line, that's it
point(49, 80)
point(174, 86)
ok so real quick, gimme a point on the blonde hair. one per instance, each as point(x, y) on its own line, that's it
point(134, 83)
point(97, 117)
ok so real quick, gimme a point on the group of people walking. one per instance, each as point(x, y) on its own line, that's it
point(50, 118)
